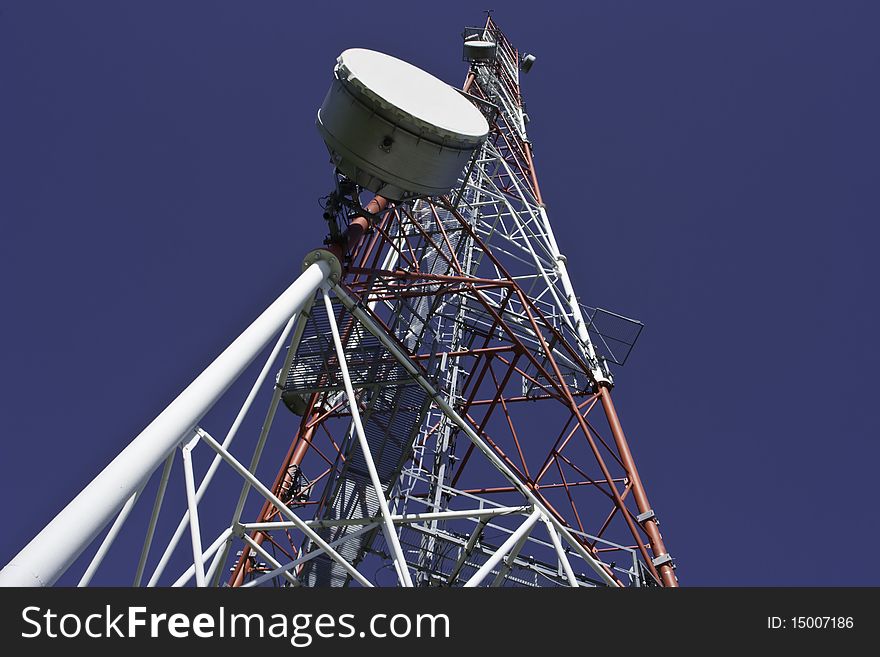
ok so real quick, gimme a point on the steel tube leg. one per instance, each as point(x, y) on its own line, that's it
point(641, 497)
point(42, 561)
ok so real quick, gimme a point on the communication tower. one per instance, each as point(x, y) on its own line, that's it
point(452, 395)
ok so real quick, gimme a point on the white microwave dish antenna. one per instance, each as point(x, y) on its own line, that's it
point(395, 129)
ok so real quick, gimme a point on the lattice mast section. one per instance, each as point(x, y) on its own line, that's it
point(452, 396)
point(472, 287)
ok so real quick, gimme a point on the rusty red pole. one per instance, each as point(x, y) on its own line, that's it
point(641, 497)
point(468, 82)
point(357, 229)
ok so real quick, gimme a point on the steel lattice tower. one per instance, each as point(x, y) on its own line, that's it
point(453, 396)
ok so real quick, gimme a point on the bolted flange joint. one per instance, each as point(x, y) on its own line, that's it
point(327, 256)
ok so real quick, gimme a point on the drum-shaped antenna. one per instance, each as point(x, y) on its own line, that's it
point(478, 51)
point(395, 129)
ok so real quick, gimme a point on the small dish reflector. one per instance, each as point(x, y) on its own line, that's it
point(478, 51)
point(395, 129)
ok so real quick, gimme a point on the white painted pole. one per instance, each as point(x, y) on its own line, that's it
point(387, 523)
point(213, 549)
point(508, 561)
point(256, 547)
point(467, 551)
point(193, 507)
point(42, 561)
point(521, 532)
point(559, 260)
point(489, 512)
point(308, 556)
point(285, 510)
point(108, 540)
point(154, 518)
point(560, 553)
point(219, 559)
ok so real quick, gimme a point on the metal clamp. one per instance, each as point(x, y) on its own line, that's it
point(662, 559)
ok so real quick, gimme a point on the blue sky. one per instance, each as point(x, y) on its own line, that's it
point(709, 168)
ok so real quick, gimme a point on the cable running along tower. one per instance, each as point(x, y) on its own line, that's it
point(454, 424)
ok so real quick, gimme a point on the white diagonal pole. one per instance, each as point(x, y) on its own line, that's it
point(213, 549)
point(42, 561)
point(108, 540)
point(387, 522)
point(285, 510)
point(308, 556)
point(521, 533)
point(256, 547)
point(560, 553)
point(508, 561)
point(154, 518)
point(192, 505)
